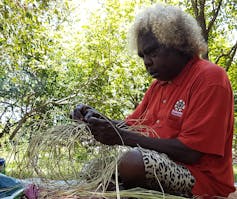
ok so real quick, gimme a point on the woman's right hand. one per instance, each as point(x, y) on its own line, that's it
point(83, 112)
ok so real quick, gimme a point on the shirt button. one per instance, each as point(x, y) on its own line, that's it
point(164, 101)
point(157, 121)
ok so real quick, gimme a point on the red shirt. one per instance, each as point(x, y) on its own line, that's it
point(196, 108)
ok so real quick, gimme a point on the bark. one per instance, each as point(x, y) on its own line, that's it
point(199, 12)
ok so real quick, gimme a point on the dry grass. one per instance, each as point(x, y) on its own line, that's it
point(70, 154)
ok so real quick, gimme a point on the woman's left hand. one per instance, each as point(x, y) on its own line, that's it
point(104, 131)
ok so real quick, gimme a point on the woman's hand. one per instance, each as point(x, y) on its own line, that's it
point(82, 112)
point(104, 131)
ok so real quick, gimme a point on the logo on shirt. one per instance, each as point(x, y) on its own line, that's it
point(178, 108)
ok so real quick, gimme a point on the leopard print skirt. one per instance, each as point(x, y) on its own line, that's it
point(163, 174)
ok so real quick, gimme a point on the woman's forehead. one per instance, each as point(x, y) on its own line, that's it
point(147, 40)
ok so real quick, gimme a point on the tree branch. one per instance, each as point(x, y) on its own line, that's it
point(201, 19)
point(195, 8)
point(220, 56)
point(33, 111)
point(229, 56)
point(215, 14)
point(4, 111)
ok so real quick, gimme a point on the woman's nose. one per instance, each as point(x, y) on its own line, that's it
point(147, 61)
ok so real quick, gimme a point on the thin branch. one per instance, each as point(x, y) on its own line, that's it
point(220, 56)
point(232, 54)
point(6, 129)
point(4, 111)
point(215, 14)
point(229, 55)
point(21, 122)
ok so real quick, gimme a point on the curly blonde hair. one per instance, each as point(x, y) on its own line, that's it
point(171, 27)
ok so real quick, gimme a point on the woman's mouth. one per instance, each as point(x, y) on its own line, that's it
point(153, 74)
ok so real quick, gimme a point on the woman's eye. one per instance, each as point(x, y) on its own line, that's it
point(158, 52)
point(153, 53)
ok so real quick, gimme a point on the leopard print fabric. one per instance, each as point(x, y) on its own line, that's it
point(163, 172)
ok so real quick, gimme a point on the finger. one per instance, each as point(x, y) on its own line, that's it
point(79, 112)
point(92, 113)
point(96, 121)
point(88, 115)
point(96, 137)
point(84, 108)
point(79, 106)
point(77, 115)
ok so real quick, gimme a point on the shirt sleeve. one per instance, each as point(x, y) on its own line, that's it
point(207, 121)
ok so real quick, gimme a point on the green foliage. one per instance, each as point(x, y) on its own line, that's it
point(48, 65)
point(26, 48)
point(120, 80)
point(28, 75)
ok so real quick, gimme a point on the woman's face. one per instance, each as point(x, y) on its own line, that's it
point(161, 62)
